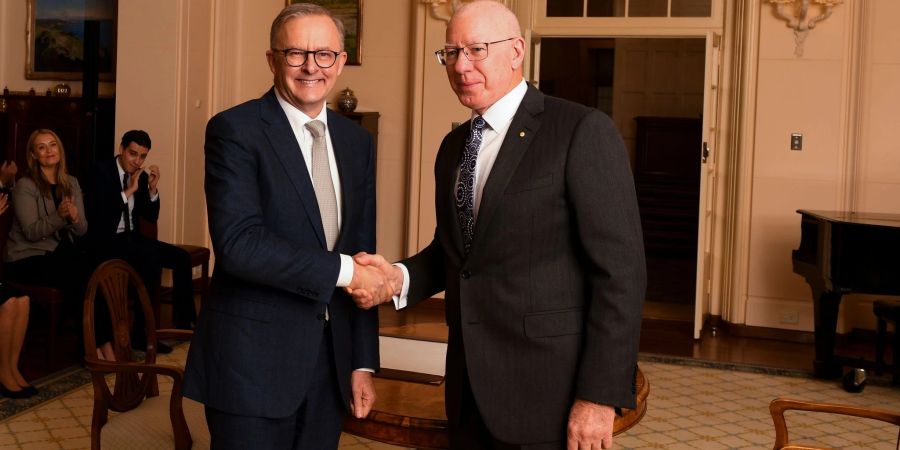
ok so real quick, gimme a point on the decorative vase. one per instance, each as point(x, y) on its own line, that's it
point(347, 101)
point(62, 90)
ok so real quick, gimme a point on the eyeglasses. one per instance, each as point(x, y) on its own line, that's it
point(473, 52)
point(295, 57)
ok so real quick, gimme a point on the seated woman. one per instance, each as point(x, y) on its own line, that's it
point(13, 322)
point(48, 220)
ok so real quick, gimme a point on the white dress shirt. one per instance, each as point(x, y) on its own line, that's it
point(298, 121)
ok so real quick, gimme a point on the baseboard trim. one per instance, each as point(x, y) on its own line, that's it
point(749, 331)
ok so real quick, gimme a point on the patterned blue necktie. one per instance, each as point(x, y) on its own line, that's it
point(465, 190)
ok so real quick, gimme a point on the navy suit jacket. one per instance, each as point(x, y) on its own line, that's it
point(103, 201)
point(546, 306)
point(256, 343)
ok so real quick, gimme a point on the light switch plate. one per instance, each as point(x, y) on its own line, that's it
point(796, 141)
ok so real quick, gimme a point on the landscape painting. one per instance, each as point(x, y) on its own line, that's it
point(350, 13)
point(56, 36)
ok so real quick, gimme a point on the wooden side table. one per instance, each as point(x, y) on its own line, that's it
point(412, 414)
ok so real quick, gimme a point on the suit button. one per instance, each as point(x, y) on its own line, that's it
point(466, 274)
point(321, 316)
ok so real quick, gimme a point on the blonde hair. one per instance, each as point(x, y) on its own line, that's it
point(63, 187)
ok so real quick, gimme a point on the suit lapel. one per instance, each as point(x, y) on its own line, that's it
point(285, 146)
point(447, 180)
point(522, 130)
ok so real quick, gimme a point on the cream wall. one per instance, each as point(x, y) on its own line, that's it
point(13, 16)
point(841, 94)
point(163, 86)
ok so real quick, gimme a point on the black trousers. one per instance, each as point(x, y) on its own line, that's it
point(68, 269)
point(316, 425)
point(149, 257)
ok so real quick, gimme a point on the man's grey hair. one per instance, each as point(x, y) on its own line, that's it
point(302, 10)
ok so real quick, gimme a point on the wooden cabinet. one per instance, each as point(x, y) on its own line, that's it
point(84, 134)
point(667, 180)
point(367, 120)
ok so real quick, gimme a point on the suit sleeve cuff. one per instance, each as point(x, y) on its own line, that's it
point(154, 197)
point(400, 301)
point(364, 369)
point(345, 276)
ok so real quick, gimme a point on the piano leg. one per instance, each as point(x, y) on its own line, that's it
point(826, 313)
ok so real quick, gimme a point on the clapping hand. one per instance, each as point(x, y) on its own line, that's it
point(375, 281)
point(153, 171)
point(68, 210)
point(8, 173)
point(133, 183)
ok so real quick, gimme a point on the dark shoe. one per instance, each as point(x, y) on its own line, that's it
point(21, 393)
point(162, 348)
point(31, 390)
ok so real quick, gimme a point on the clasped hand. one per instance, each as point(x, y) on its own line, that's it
point(67, 210)
point(375, 281)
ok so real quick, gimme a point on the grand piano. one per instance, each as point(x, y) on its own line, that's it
point(842, 253)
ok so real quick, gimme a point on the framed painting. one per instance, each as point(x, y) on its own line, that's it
point(350, 13)
point(56, 31)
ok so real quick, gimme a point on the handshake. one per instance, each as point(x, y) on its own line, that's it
point(375, 281)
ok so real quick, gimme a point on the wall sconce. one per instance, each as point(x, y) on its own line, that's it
point(444, 9)
point(799, 21)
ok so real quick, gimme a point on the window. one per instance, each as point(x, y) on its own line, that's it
point(628, 8)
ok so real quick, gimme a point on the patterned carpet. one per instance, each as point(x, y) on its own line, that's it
point(692, 405)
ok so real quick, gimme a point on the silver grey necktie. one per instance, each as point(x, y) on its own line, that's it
point(322, 183)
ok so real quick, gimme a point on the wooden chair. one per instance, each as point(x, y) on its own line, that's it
point(47, 298)
point(780, 405)
point(154, 421)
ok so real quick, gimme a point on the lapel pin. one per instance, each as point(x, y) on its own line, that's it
point(521, 134)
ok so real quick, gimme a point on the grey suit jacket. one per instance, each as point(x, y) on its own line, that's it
point(255, 347)
point(37, 227)
point(547, 305)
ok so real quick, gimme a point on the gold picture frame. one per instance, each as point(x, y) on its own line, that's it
point(55, 37)
point(350, 13)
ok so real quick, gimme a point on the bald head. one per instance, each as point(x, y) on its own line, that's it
point(479, 84)
point(494, 13)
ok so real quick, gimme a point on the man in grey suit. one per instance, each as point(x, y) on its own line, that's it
point(280, 352)
point(539, 251)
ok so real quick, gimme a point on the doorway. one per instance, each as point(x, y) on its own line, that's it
point(653, 89)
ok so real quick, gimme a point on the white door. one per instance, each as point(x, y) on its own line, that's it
point(708, 154)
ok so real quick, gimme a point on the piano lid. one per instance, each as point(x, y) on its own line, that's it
point(856, 218)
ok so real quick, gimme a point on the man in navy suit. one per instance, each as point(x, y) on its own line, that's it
point(281, 353)
point(120, 193)
point(538, 248)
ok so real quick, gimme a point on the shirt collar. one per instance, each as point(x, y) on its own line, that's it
point(119, 166)
point(502, 111)
point(298, 118)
